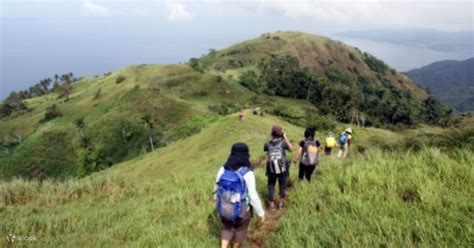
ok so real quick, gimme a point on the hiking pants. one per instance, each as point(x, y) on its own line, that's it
point(328, 150)
point(272, 179)
point(306, 171)
point(342, 151)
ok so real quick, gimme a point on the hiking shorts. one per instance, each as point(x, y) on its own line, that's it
point(237, 230)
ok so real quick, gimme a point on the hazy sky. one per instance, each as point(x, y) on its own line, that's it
point(41, 38)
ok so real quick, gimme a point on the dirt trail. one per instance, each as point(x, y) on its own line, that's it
point(259, 234)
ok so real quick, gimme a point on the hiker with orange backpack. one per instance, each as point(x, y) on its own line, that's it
point(345, 140)
point(277, 164)
point(308, 154)
point(236, 195)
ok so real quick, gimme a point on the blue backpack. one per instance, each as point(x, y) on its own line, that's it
point(343, 139)
point(232, 195)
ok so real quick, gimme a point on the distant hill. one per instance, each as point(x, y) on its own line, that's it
point(449, 80)
point(434, 39)
point(93, 123)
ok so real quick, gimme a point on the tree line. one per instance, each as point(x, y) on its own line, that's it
point(373, 101)
point(61, 84)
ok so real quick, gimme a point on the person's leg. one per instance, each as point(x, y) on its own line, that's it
point(327, 150)
point(227, 232)
point(224, 243)
point(340, 152)
point(301, 171)
point(271, 186)
point(282, 184)
point(309, 172)
point(236, 245)
point(241, 230)
point(346, 147)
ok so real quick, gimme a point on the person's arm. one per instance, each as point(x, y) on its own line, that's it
point(288, 144)
point(253, 195)
point(349, 140)
point(299, 154)
point(219, 174)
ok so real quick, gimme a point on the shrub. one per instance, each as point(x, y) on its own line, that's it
point(51, 113)
point(224, 108)
point(375, 64)
point(120, 79)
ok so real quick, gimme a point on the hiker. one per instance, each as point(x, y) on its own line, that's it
point(308, 154)
point(241, 115)
point(329, 143)
point(236, 195)
point(277, 164)
point(345, 140)
point(256, 111)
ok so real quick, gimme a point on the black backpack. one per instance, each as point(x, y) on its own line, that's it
point(276, 158)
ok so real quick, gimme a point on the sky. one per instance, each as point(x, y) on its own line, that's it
point(41, 38)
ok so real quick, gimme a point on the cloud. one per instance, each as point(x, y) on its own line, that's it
point(177, 11)
point(450, 15)
point(436, 14)
point(94, 8)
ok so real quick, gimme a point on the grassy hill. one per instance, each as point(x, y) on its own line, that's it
point(179, 101)
point(342, 81)
point(409, 187)
point(385, 195)
point(450, 81)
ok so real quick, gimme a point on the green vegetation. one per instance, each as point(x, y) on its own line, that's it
point(376, 198)
point(120, 79)
point(51, 113)
point(450, 81)
point(384, 199)
point(102, 163)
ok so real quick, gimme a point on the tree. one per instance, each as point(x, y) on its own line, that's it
point(12, 104)
point(150, 124)
point(85, 140)
point(64, 91)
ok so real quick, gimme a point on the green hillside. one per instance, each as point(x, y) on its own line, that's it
point(344, 82)
point(178, 100)
point(451, 81)
point(129, 158)
point(93, 123)
point(385, 195)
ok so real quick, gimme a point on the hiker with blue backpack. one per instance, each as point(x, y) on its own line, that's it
point(277, 164)
point(308, 154)
point(236, 195)
point(345, 140)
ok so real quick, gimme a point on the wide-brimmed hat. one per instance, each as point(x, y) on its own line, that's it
point(349, 130)
point(239, 156)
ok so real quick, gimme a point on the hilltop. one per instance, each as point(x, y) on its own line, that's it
point(451, 81)
point(93, 123)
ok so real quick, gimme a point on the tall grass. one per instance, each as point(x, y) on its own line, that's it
point(384, 199)
point(162, 199)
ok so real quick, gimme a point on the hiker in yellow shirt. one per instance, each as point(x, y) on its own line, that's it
point(329, 143)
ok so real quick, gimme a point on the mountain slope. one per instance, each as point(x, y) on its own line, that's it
point(303, 78)
point(162, 199)
point(342, 81)
point(451, 81)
